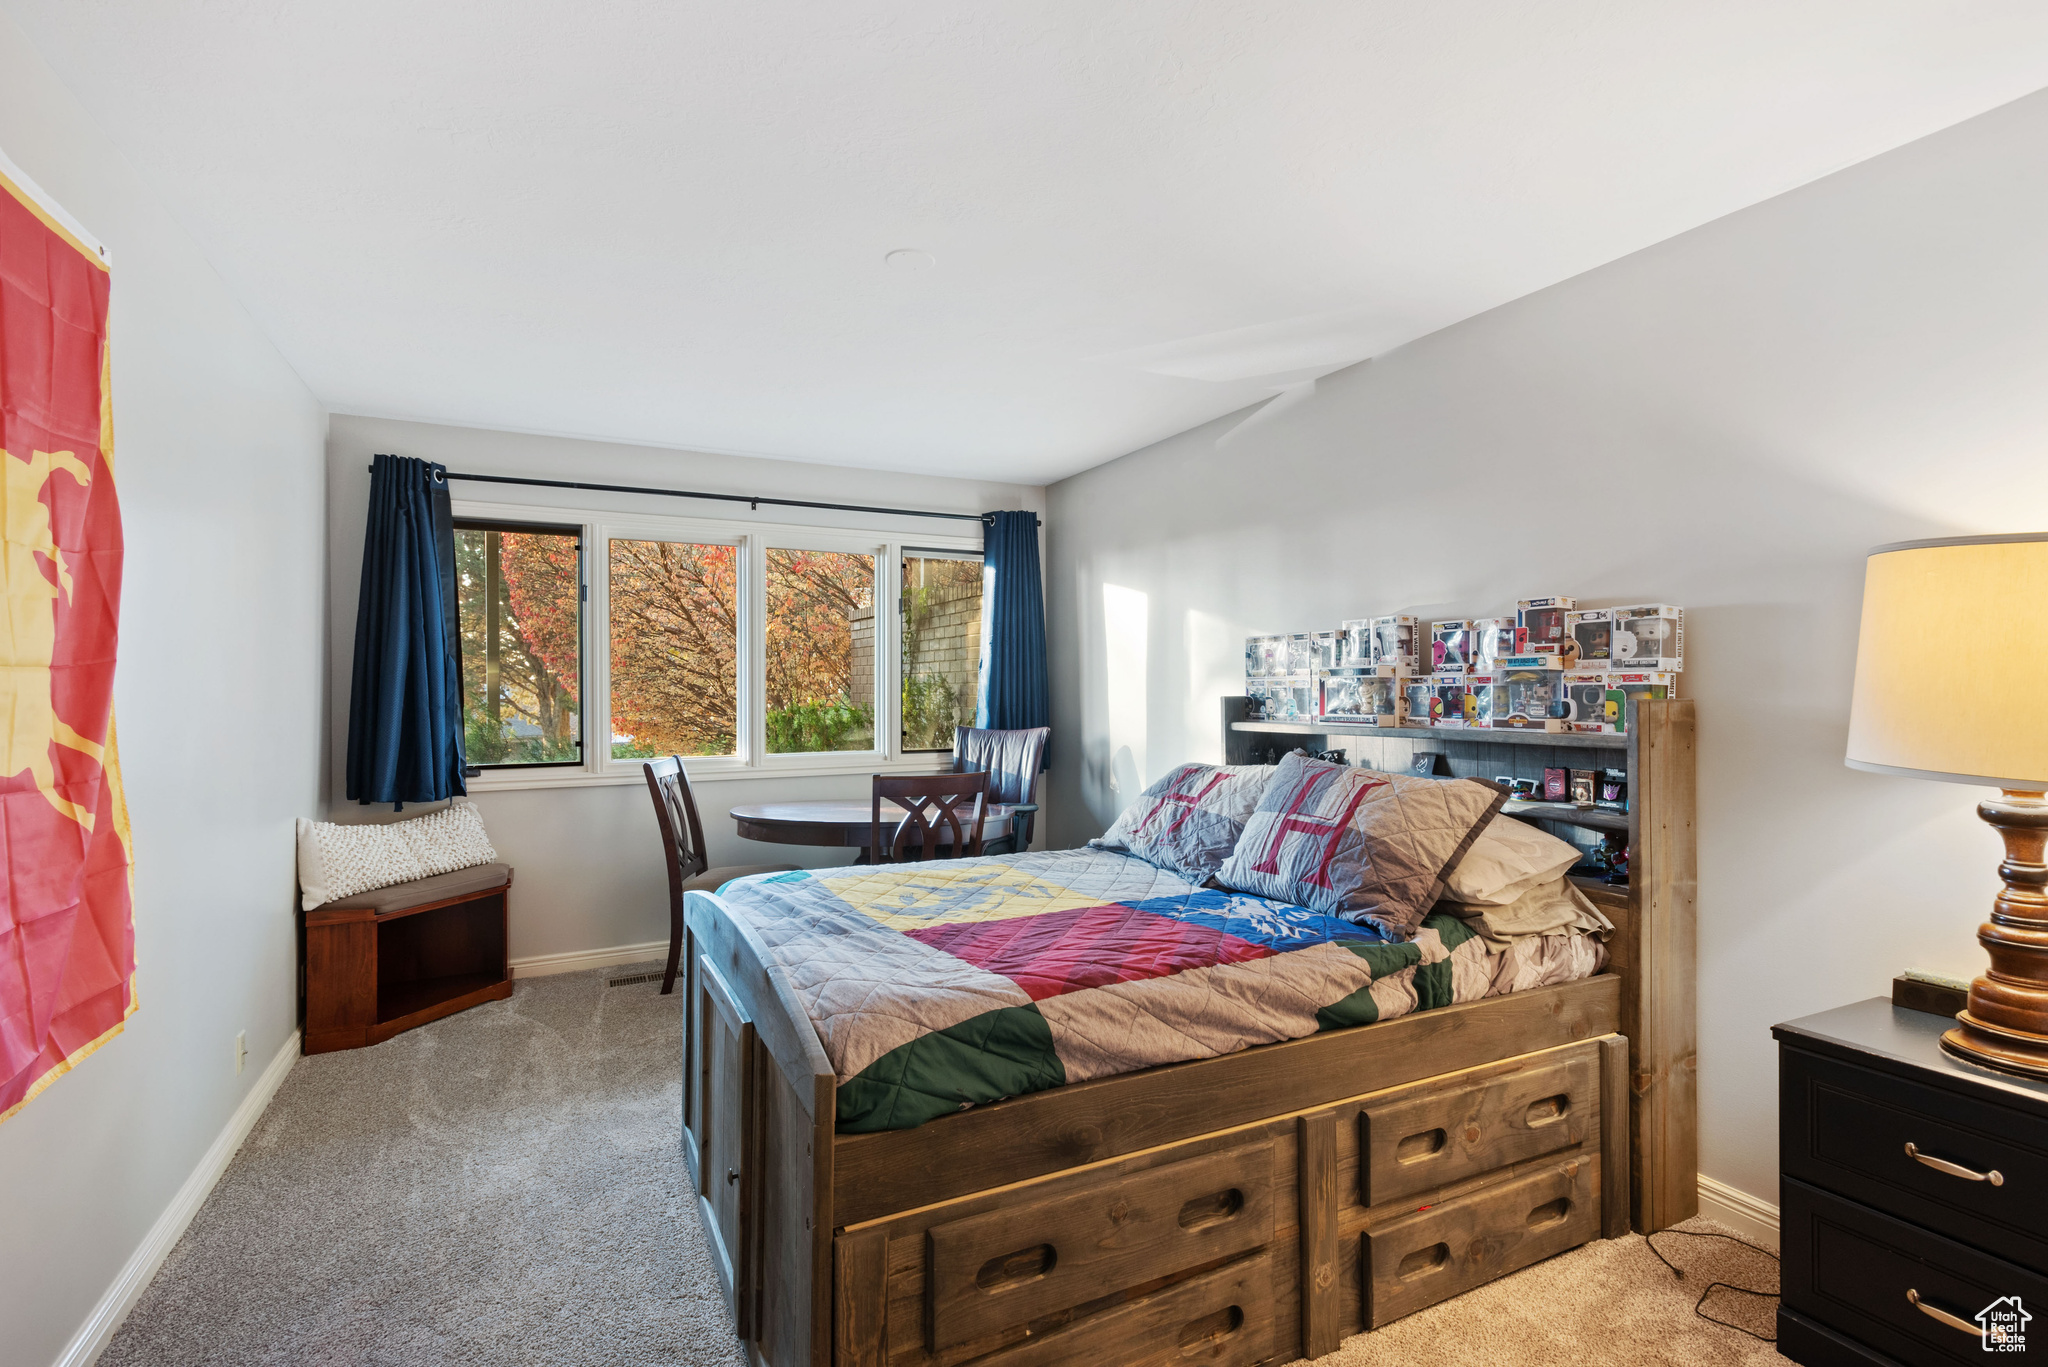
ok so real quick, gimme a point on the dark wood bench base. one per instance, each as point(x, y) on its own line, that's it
point(370, 974)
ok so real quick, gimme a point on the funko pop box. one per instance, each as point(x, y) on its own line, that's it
point(1542, 624)
point(1650, 636)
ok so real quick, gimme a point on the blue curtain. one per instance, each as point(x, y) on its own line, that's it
point(405, 703)
point(1014, 692)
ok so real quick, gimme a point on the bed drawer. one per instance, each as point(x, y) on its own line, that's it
point(1423, 1139)
point(1012, 1265)
point(1224, 1318)
point(1442, 1250)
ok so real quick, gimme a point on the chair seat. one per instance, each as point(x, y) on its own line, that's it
point(711, 880)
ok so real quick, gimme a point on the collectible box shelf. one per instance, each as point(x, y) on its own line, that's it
point(1294, 698)
point(1650, 636)
point(1420, 692)
point(1495, 639)
point(1542, 624)
point(1326, 649)
point(1393, 642)
point(1590, 632)
point(1479, 699)
point(1450, 647)
point(1301, 653)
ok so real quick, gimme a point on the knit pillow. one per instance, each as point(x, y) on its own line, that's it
point(337, 861)
point(1189, 821)
point(1357, 843)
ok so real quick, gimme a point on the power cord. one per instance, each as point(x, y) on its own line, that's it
point(1678, 1272)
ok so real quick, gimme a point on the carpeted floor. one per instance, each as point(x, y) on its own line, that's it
point(505, 1187)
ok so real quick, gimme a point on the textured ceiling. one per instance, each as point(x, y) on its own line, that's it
point(667, 222)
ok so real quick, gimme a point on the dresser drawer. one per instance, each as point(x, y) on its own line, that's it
point(1860, 1273)
point(1847, 1129)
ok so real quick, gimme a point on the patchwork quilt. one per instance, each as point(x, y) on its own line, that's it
point(949, 984)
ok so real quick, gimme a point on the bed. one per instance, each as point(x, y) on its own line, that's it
point(1069, 1107)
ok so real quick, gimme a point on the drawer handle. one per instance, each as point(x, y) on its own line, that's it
point(1994, 1177)
point(732, 1175)
point(1941, 1316)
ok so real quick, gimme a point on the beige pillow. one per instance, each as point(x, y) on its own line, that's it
point(337, 861)
point(1509, 858)
point(1545, 909)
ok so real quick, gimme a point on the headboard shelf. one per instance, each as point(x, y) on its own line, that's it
point(1572, 740)
point(1652, 947)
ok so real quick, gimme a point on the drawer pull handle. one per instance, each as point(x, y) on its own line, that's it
point(1994, 1177)
point(1941, 1316)
point(732, 1175)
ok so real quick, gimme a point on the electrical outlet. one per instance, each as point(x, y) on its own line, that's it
point(241, 1050)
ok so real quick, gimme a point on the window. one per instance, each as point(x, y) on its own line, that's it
point(748, 647)
point(939, 637)
point(519, 595)
point(674, 648)
point(820, 651)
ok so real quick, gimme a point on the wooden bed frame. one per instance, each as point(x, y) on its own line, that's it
point(1251, 1208)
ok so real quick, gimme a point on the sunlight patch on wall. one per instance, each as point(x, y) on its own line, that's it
point(1212, 672)
point(1125, 614)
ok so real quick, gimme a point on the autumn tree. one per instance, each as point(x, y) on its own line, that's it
point(674, 631)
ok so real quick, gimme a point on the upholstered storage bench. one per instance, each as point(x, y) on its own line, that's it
point(381, 962)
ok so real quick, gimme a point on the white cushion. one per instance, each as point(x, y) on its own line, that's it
point(1509, 858)
point(337, 861)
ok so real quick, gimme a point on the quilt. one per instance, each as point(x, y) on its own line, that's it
point(938, 986)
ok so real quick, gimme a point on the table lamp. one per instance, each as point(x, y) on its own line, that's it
point(1952, 683)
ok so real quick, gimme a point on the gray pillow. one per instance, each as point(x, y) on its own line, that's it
point(1358, 843)
point(1189, 821)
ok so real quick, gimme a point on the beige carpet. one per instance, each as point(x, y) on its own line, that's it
point(1608, 1304)
point(505, 1187)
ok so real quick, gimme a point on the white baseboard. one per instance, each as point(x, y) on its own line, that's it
point(113, 1307)
point(578, 961)
point(1751, 1218)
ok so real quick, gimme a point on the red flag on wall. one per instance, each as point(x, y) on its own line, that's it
point(67, 937)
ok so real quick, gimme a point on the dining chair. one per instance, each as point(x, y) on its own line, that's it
point(682, 841)
point(931, 805)
point(1012, 760)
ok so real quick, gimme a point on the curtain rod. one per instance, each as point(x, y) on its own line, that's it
point(751, 500)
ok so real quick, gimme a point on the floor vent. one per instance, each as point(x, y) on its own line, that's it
point(636, 978)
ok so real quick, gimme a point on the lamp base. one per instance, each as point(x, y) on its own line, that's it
point(2009, 1051)
point(2005, 1025)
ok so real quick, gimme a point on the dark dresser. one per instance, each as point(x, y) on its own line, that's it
point(1913, 1196)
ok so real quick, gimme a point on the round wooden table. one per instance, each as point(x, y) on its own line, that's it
point(841, 824)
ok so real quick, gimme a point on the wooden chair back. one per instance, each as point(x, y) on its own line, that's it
point(675, 811)
point(931, 804)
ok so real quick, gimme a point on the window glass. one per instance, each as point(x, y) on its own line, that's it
point(520, 607)
point(674, 649)
point(940, 637)
point(821, 651)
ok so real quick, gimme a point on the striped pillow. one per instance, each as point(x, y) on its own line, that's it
point(1358, 843)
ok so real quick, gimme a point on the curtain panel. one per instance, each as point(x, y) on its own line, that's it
point(405, 739)
point(1015, 694)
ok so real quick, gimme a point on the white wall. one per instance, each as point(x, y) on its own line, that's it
point(1727, 421)
point(588, 860)
point(218, 463)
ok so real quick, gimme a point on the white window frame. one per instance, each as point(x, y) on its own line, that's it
point(754, 539)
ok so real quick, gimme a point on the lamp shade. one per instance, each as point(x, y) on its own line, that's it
point(1952, 662)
